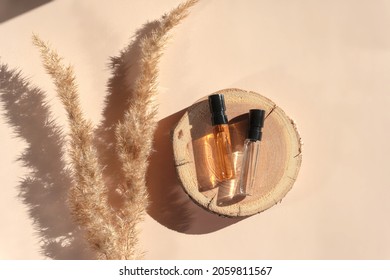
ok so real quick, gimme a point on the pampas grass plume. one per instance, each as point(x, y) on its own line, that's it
point(113, 233)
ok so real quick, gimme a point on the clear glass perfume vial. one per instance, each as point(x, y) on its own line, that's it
point(251, 154)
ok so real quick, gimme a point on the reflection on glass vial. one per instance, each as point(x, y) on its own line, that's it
point(227, 189)
point(249, 167)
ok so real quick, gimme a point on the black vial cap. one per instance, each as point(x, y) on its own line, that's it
point(217, 109)
point(256, 122)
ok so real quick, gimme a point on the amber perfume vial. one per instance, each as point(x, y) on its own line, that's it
point(251, 154)
point(224, 160)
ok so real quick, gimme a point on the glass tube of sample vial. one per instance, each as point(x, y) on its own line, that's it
point(251, 153)
point(224, 160)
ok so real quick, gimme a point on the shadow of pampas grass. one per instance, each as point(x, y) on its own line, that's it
point(125, 72)
point(112, 228)
point(168, 204)
point(106, 184)
point(44, 189)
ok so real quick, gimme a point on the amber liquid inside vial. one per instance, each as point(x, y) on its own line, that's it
point(224, 161)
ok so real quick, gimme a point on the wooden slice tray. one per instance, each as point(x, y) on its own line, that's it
point(280, 153)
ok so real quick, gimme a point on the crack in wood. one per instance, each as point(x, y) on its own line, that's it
point(273, 108)
point(299, 153)
point(211, 200)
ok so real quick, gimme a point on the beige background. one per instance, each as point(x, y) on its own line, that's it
point(326, 63)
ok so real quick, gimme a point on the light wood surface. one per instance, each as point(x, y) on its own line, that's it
point(280, 154)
